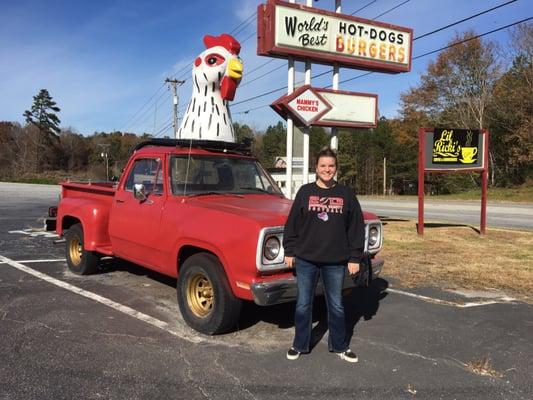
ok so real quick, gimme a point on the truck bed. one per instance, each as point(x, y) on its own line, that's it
point(87, 189)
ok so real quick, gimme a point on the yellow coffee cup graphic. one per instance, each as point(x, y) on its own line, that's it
point(467, 154)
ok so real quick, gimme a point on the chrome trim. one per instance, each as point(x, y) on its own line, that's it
point(285, 290)
point(379, 225)
point(261, 262)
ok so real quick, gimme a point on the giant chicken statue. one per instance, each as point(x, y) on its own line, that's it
point(215, 75)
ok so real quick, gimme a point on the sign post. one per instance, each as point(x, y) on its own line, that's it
point(450, 150)
point(298, 32)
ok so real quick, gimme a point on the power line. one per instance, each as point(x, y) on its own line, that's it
point(329, 71)
point(472, 38)
point(260, 66)
point(426, 34)
point(414, 58)
point(141, 117)
point(246, 22)
point(249, 20)
point(463, 20)
point(265, 74)
point(148, 101)
point(391, 9)
point(365, 6)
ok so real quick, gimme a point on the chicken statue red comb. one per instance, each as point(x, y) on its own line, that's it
point(227, 41)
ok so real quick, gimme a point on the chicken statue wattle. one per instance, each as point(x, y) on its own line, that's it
point(216, 74)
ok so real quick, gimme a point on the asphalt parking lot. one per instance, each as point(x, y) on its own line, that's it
point(119, 335)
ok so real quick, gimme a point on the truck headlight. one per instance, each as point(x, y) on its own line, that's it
point(373, 236)
point(271, 248)
point(269, 254)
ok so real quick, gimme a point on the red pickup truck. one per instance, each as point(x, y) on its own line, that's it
point(203, 212)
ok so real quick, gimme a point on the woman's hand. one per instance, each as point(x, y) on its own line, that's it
point(353, 268)
point(289, 261)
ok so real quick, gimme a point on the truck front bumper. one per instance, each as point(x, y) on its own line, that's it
point(285, 290)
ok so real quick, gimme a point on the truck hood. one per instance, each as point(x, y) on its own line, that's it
point(267, 210)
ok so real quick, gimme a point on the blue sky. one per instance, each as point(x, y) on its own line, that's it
point(104, 62)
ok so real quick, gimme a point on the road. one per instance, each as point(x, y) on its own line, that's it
point(118, 335)
point(499, 215)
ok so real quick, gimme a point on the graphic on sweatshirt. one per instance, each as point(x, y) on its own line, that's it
point(326, 204)
point(323, 216)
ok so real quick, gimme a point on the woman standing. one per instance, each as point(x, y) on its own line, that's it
point(323, 236)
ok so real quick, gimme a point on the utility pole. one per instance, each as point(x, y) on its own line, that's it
point(384, 176)
point(174, 83)
point(104, 155)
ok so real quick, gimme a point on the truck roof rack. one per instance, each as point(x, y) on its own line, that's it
point(244, 147)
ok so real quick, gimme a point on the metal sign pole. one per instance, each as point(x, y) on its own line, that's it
point(334, 143)
point(484, 182)
point(305, 172)
point(421, 166)
point(290, 128)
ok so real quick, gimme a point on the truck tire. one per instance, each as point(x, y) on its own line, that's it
point(79, 260)
point(204, 295)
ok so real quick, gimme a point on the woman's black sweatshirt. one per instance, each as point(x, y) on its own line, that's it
point(325, 225)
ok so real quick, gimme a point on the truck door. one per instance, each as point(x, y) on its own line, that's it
point(134, 224)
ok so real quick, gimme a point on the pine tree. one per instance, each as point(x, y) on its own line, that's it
point(42, 113)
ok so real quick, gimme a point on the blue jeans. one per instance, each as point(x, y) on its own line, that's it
point(332, 279)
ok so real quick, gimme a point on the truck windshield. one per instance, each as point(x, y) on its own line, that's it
point(195, 174)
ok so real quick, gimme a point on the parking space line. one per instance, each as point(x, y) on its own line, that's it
point(105, 301)
point(452, 303)
point(42, 261)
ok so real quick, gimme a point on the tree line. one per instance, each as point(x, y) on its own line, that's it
point(469, 85)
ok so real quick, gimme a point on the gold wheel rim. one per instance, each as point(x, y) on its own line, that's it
point(75, 250)
point(200, 295)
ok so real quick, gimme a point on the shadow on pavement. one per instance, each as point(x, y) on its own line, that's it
point(448, 225)
point(359, 303)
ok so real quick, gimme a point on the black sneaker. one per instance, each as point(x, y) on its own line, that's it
point(348, 355)
point(293, 354)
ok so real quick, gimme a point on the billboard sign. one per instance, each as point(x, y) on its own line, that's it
point(456, 149)
point(307, 33)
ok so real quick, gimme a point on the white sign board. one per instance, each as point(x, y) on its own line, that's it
point(327, 107)
point(306, 33)
point(350, 108)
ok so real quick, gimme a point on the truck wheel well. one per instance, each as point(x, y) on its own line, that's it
point(69, 221)
point(187, 251)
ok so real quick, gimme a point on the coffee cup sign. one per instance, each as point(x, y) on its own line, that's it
point(467, 154)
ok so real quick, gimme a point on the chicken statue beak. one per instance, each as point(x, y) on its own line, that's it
point(231, 80)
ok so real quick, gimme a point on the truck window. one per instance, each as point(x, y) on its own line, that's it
point(201, 174)
point(147, 171)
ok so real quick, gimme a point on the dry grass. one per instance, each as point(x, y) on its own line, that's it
point(457, 257)
point(483, 367)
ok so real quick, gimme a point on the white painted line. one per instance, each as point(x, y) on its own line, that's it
point(451, 303)
point(42, 261)
point(175, 331)
point(33, 233)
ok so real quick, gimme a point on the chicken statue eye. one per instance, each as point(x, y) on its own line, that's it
point(214, 59)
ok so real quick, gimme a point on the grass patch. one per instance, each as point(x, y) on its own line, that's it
point(459, 258)
point(38, 180)
point(519, 194)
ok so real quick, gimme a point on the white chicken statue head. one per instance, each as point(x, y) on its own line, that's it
point(216, 74)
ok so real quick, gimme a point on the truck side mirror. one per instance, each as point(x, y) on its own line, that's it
point(139, 192)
